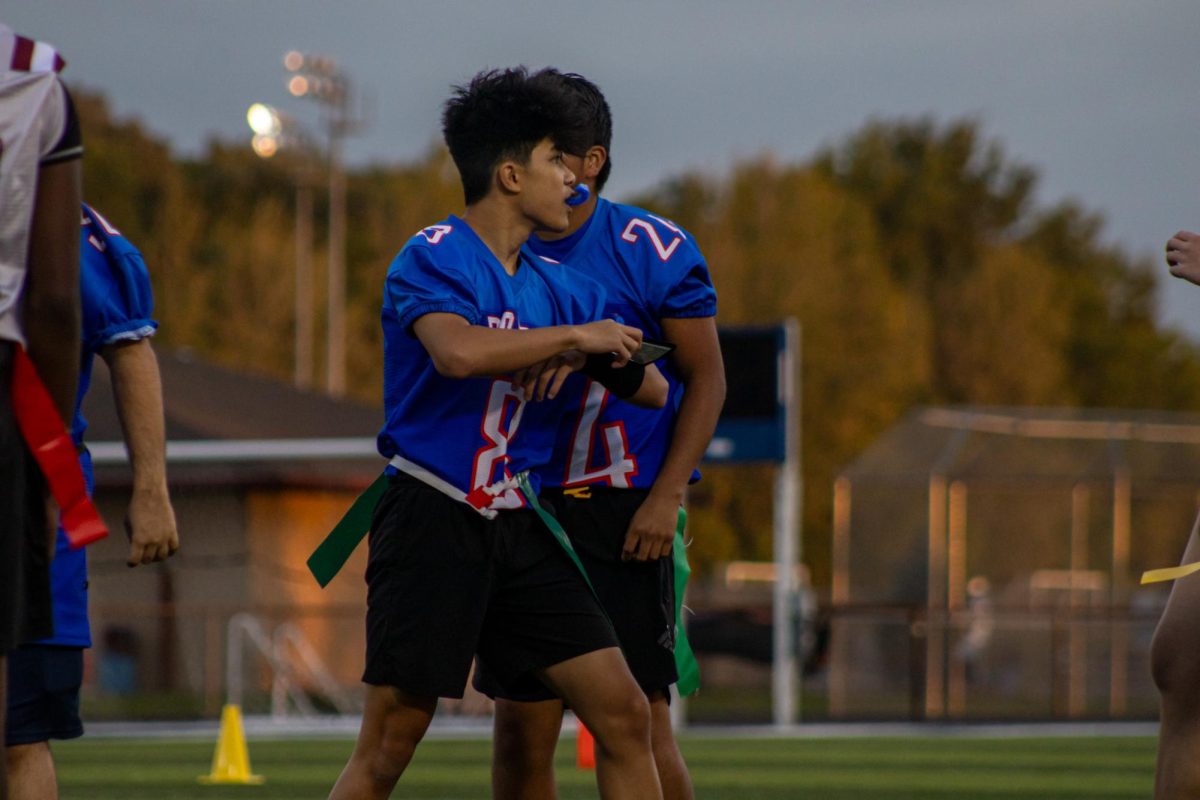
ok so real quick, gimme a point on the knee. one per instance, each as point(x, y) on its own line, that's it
point(389, 758)
point(625, 721)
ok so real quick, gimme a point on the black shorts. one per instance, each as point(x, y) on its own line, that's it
point(43, 694)
point(639, 596)
point(25, 613)
point(445, 584)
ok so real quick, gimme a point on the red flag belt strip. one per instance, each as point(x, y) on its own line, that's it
point(52, 448)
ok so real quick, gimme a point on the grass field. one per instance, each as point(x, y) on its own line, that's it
point(918, 768)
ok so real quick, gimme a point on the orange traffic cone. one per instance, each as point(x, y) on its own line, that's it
point(585, 748)
point(231, 760)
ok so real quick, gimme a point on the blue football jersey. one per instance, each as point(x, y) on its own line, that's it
point(116, 305)
point(651, 269)
point(473, 432)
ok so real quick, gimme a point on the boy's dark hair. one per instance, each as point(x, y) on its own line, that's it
point(503, 114)
point(598, 125)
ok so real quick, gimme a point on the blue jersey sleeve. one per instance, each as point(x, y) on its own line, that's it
point(419, 283)
point(684, 288)
point(693, 296)
point(117, 302)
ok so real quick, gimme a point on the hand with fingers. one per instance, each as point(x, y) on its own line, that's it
point(543, 380)
point(150, 526)
point(1183, 256)
point(609, 336)
point(651, 532)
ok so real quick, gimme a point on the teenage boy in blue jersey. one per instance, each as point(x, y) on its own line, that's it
point(458, 565)
point(619, 473)
point(44, 677)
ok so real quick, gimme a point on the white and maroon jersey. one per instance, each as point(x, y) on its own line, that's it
point(37, 127)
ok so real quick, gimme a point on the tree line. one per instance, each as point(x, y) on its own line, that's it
point(913, 253)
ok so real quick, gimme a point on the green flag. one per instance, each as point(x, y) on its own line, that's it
point(331, 554)
point(685, 659)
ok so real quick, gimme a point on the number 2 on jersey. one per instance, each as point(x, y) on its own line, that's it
point(630, 234)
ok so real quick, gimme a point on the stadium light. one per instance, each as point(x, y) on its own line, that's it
point(265, 146)
point(275, 131)
point(319, 78)
point(264, 120)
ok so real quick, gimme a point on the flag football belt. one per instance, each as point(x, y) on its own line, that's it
point(332, 554)
point(685, 660)
point(56, 455)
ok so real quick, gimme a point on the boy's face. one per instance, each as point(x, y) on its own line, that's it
point(547, 185)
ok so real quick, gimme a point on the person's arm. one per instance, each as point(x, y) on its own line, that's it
point(137, 390)
point(697, 357)
point(1183, 256)
point(462, 350)
point(543, 380)
point(653, 391)
point(52, 309)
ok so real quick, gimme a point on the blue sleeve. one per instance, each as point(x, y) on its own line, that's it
point(692, 296)
point(117, 302)
point(685, 288)
point(418, 285)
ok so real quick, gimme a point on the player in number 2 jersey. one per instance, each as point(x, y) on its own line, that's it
point(619, 473)
point(457, 567)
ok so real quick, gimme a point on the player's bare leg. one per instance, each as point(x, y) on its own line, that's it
point(672, 771)
point(31, 772)
point(1177, 673)
point(602, 693)
point(526, 735)
point(393, 724)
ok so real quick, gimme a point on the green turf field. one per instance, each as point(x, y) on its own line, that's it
point(817, 769)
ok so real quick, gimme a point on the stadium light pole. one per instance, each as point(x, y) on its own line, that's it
point(274, 131)
point(319, 78)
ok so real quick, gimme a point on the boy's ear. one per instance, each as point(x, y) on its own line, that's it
point(508, 176)
point(593, 161)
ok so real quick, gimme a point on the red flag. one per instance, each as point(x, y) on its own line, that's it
point(52, 448)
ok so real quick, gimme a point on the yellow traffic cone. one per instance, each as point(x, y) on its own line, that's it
point(231, 760)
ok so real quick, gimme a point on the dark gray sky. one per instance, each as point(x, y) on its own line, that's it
point(1102, 97)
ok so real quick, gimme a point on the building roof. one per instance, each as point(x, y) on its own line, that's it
point(1016, 444)
point(229, 427)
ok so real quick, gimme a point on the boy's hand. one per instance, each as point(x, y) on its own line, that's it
point(150, 526)
point(1183, 256)
point(609, 336)
point(651, 532)
point(544, 379)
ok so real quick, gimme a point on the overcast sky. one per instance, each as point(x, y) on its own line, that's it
point(1103, 98)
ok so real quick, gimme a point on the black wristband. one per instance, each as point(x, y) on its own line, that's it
point(621, 381)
